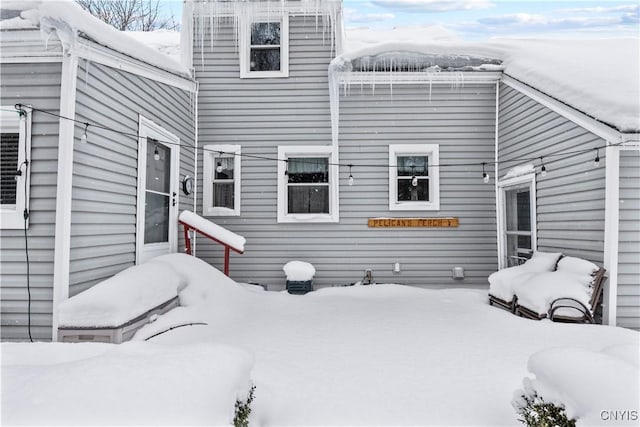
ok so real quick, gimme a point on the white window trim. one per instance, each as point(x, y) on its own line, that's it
point(431, 150)
point(12, 216)
point(523, 181)
point(286, 151)
point(209, 167)
point(245, 51)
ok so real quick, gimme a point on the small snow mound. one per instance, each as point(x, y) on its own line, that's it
point(128, 384)
point(299, 271)
point(586, 382)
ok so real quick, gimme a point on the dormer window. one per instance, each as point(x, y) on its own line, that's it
point(264, 49)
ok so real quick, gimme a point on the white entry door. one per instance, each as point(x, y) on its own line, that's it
point(517, 210)
point(158, 163)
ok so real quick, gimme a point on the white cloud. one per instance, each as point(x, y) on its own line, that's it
point(525, 23)
point(600, 9)
point(428, 6)
point(353, 16)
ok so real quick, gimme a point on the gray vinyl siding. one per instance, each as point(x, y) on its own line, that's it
point(103, 231)
point(262, 114)
point(570, 200)
point(629, 241)
point(36, 84)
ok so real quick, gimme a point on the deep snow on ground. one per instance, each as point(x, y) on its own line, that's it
point(361, 355)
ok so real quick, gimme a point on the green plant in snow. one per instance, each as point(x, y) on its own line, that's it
point(243, 410)
point(535, 412)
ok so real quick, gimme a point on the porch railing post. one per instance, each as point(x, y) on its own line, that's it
point(226, 260)
point(187, 239)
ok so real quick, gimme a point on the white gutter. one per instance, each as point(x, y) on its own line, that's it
point(62, 248)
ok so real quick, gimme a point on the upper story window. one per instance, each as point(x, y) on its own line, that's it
point(307, 185)
point(15, 145)
point(264, 48)
point(413, 179)
point(221, 187)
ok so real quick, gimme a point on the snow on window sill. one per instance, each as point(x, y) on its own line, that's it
point(308, 218)
point(219, 211)
point(414, 206)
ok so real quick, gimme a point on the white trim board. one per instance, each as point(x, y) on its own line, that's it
point(611, 233)
point(27, 46)
point(592, 125)
point(94, 52)
point(62, 251)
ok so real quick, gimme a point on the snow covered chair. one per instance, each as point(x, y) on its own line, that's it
point(502, 282)
point(569, 294)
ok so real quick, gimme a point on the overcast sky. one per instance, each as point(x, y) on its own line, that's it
point(482, 19)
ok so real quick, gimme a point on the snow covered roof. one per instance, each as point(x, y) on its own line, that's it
point(579, 73)
point(69, 20)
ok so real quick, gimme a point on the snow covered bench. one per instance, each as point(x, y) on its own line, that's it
point(113, 310)
point(571, 293)
point(501, 283)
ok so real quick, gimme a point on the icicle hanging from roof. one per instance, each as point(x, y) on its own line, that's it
point(211, 14)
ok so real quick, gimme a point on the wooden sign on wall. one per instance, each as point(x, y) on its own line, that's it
point(413, 222)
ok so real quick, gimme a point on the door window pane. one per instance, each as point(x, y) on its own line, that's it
point(156, 226)
point(158, 171)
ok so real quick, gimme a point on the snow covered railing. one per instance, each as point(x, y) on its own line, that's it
point(228, 239)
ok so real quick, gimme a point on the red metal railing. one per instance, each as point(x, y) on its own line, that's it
point(227, 248)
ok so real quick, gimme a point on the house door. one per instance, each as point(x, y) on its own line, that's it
point(517, 218)
point(157, 226)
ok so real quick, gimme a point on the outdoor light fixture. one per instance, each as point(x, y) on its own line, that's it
point(83, 138)
point(543, 169)
point(350, 176)
point(219, 167)
point(485, 175)
point(414, 179)
point(596, 161)
point(156, 153)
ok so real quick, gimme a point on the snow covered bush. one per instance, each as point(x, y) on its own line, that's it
point(576, 386)
point(535, 412)
point(243, 410)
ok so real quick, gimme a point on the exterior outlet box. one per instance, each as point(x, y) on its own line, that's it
point(458, 273)
point(396, 267)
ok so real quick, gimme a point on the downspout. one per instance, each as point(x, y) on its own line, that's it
point(62, 248)
point(611, 233)
point(497, 190)
point(195, 166)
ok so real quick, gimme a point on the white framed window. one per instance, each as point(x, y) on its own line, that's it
point(221, 187)
point(414, 179)
point(15, 150)
point(307, 184)
point(264, 47)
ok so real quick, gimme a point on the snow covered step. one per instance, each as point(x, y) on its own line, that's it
point(117, 334)
point(114, 309)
